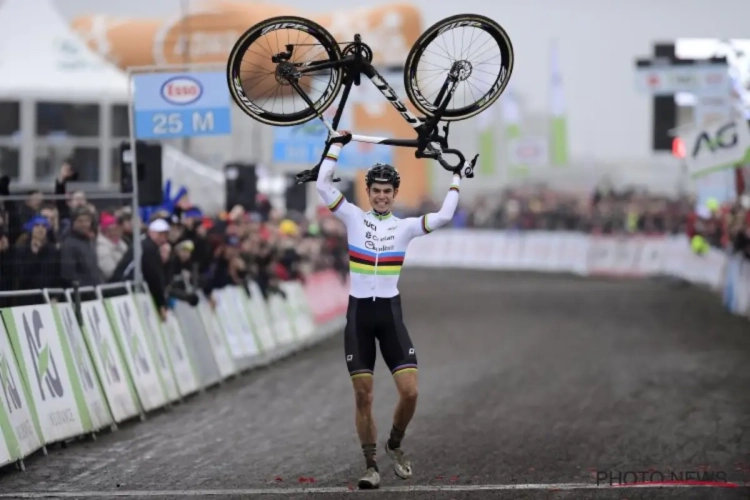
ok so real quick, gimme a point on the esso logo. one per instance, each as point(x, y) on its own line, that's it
point(181, 90)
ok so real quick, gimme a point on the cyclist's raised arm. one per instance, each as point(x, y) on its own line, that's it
point(332, 197)
point(429, 222)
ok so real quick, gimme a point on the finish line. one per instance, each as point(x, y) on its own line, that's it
point(343, 489)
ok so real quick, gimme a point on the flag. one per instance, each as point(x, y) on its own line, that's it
point(511, 113)
point(487, 144)
point(558, 124)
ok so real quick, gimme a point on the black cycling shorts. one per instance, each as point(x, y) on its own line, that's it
point(367, 320)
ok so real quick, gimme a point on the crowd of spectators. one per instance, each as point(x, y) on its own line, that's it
point(609, 211)
point(69, 242)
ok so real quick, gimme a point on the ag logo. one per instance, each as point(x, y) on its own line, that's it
point(349, 358)
point(725, 138)
point(78, 349)
point(103, 348)
point(411, 351)
point(136, 349)
point(10, 390)
point(45, 367)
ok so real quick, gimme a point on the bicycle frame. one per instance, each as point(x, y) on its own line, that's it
point(355, 65)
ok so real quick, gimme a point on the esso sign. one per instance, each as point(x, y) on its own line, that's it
point(181, 90)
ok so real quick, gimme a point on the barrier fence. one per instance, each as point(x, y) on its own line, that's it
point(570, 252)
point(72, 367)
point(589, 255)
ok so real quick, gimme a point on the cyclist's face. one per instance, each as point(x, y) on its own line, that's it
point(381, 196)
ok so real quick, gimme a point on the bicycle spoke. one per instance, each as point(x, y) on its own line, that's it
point(276, 95)
point(476, 48)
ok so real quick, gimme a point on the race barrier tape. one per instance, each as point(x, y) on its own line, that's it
point(62, 379)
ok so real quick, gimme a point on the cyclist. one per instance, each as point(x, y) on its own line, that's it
point(377, 245)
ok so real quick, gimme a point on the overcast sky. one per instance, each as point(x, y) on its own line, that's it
point(160, 8)
point(599, 41)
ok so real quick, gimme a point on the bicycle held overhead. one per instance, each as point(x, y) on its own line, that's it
point(296, 65)
point(377, 239)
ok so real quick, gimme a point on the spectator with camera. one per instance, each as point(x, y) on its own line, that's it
point(153, 263)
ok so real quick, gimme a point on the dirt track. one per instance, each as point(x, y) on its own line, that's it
point(525, 379)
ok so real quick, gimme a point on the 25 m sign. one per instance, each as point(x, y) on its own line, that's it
point(717, 147)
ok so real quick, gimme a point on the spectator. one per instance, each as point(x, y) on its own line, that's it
point(125, 221)
point(78, 255)
point(289, 260)
point(31, 206)
point(152, 264)
point(195, 231)
point(180, 260)
point(49, 212)
point(110, 247)
point(37, 260)
point(76, 201)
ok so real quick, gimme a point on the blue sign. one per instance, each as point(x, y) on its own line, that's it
point(169, 105)
point(304, 144)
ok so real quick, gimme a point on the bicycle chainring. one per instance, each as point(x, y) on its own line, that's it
point(365, 50)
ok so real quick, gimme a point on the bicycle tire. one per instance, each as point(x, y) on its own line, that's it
point(494, 30)
point(240, 49)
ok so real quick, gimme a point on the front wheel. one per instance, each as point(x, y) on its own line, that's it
point(481, 47)
point(262, 60)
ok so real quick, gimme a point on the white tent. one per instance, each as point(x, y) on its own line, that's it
point(42, 58)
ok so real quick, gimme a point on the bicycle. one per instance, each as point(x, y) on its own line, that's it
point(345, 67)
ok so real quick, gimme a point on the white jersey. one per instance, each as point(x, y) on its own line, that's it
point(377, 243)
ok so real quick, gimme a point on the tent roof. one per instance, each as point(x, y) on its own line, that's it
point(42, 57)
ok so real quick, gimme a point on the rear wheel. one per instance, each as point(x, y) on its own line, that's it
point(269, 51)
point(484, 52)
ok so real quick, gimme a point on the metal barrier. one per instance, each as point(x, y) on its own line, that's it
point(86, 359)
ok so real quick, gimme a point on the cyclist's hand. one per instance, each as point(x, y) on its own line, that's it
point(342, 137)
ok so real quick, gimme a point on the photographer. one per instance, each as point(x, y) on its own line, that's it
point(152, 264)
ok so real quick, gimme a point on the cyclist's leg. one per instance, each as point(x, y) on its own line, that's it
point(400, 356)
point(359, 347)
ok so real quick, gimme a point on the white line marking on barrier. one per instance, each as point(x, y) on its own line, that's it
point(342, 489)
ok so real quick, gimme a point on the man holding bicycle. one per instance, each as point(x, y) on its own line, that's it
point(377, 246)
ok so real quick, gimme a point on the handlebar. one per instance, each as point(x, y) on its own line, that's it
point(457, 167)
point(444, 163)
point(429, 152)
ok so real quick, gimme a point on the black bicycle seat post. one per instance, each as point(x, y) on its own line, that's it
point(357, 68)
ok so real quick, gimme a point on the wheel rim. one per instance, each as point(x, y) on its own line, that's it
point(258, 83)
point(485, 56)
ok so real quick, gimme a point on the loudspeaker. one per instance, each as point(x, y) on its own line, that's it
point(295, 196)
point(148, 172)
point(241, 185)
point(664, 116)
